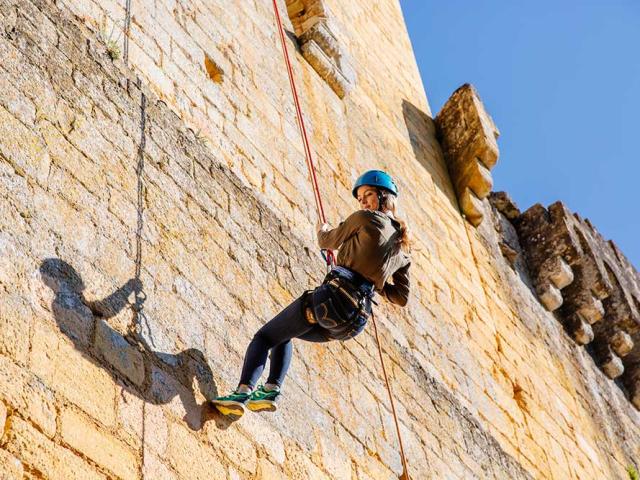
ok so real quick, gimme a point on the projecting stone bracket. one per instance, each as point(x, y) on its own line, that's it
point(587, 282)
point(317, 35)
point(468, 138)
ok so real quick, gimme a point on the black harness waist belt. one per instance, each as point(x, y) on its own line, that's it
point(352, 279)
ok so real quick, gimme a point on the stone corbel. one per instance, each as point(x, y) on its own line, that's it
point(319, 44)
point(468, 136)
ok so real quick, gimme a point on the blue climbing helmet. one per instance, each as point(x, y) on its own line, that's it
point(375, 178)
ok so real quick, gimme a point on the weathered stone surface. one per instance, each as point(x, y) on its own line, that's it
point(26, 393)
point(557, 271)
point(322, 64)
point(206, 203)
point(599, 296)
point(471, 205)
point(156, 469)
point(550, 296)
point(621, 342)
point(504, 204)
point(3, 417)
point(80, 434)
point(39, 453)
point(115, 350)
point(468, 138)
point(191, 458)
point(10, 467)
point(60, 366)
point(317, 36)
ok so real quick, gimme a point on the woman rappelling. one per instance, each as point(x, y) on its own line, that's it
point(373, 246)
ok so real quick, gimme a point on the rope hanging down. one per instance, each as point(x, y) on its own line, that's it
point(318, 199)
point(127, 31)
point(405, 471)
point(303, 130)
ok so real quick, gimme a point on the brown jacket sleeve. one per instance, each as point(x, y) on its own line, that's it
point(398, 291)
point(332, 239)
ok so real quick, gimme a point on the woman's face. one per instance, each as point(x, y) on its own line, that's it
point(367, 197)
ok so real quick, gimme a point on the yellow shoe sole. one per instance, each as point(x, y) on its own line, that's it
point(229, 408)
point(262, 406)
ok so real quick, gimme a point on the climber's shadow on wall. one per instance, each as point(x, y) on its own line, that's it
point(155, 377)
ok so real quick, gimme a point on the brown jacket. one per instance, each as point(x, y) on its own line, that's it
point(368, 243)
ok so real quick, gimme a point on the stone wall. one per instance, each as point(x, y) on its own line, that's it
point(153, 219)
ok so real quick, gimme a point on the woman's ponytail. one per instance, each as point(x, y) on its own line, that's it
point(389, 203)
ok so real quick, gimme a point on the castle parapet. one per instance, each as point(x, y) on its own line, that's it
point(589, 283)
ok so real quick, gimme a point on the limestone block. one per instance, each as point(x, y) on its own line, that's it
point(304, 14)
point(108, 452)
point(558, 271)
point(154, 468)
point(238, 447)
point(476, 177)
point(504, 204)
point(325, 68)
point(334, 460)
point(268, 471)
point(550, 296)
point(509, 252)
point(10, 467)
point(3, 417)
point(295, 8)
point(621, 343)
point(22, 148)
point(23, 391)
point(59, 364)
point(321, 34)
point(317, 32)
point(123, 356)
point(633, 384)
point(267, 438)
point(606, 357)
point(579, 330)
point(591, 311)
point(156, 429)
point(471, 206)
point(613, 366)
point(15, 320)
point(468, 138)
point(42, 454)
point(190, 458)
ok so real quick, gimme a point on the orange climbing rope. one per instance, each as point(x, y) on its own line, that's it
point(405, 473)
point(303, 130)
point(318, 199)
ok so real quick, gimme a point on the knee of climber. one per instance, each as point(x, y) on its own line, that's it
point(261, 338)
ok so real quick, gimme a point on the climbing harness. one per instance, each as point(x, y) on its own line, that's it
point(342, 304)
point(329, 256)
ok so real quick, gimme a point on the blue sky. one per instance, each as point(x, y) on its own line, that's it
point(561, 80)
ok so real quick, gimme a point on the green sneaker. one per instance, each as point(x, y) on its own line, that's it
point(263, 400)
point(232, 404)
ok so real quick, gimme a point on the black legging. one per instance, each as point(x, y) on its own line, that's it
point(276, 336)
